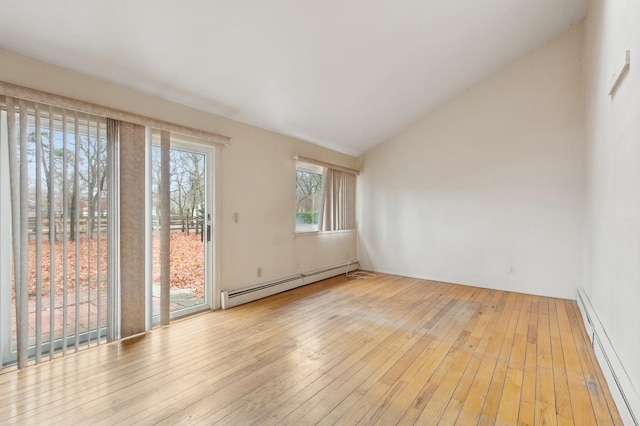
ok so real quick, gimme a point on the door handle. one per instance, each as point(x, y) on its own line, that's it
point(208, 233)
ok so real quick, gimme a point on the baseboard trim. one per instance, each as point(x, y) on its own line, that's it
point(241, 296)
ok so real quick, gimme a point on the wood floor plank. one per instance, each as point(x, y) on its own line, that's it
point(509, 406)
point(597, 372)
point(494, 396)
point(526, 413)
point(209, 403)
point(387, 350)
point(391, 385)
point(472, 409)
point(372, 375)
point(466, 375)
point(545, 404)
point(333, 395)
point(443, 383)
point(305, 349)
point(581, 407)
point(561, 384)
point(412, 312)
point(462, 322)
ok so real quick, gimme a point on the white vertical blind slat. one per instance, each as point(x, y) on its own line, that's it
point(22, 302)
point(52, 239)
point(38, 247)
point(89, 226)
point(65, 235)
point(76, 219)
point(113, 235)
point(14, 178)
point(98, 245)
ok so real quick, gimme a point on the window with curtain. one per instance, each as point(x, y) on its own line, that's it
point(325, 198)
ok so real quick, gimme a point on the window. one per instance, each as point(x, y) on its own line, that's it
point(308, 196)
point(325, 198)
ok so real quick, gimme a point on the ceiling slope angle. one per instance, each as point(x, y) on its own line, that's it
point(346, 75)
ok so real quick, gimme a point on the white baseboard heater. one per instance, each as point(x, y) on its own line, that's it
point(233, 298)
point(621, 387)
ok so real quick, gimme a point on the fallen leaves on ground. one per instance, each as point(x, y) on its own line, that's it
point(186, 270)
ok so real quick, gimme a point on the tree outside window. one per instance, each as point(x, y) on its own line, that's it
point(308, 196)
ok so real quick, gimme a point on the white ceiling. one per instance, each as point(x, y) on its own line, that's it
point(345, 74)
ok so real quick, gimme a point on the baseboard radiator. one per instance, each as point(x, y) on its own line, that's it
point(233, 298)
point(622, 389)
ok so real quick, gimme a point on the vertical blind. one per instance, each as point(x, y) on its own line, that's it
point(60, 215)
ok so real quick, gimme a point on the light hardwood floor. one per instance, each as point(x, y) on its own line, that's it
point(388, 350)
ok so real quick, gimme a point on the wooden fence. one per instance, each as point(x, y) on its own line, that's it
point(195, 225)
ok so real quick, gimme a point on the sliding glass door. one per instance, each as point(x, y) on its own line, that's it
point(190, 226)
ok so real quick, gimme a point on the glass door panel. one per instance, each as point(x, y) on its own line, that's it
point(190, 231)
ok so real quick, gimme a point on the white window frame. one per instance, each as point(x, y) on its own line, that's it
point(314, 169)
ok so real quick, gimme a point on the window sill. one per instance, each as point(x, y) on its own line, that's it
point(313, 233)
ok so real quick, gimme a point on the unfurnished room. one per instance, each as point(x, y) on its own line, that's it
point(314, 213)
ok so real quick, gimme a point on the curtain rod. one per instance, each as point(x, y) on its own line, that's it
point(327, 165)
point(34, 95)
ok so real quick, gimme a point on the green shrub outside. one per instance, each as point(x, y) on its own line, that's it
point(307, 217)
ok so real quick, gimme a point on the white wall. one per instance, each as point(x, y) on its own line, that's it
point(486, 190)
point(256, 177)
point(612, 176)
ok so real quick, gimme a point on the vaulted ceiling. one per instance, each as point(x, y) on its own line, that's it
point(345, 74)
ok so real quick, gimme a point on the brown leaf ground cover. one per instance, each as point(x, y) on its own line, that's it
point(187, 264)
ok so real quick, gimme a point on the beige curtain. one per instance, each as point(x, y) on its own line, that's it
point(338, 210)
point(132, 234)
